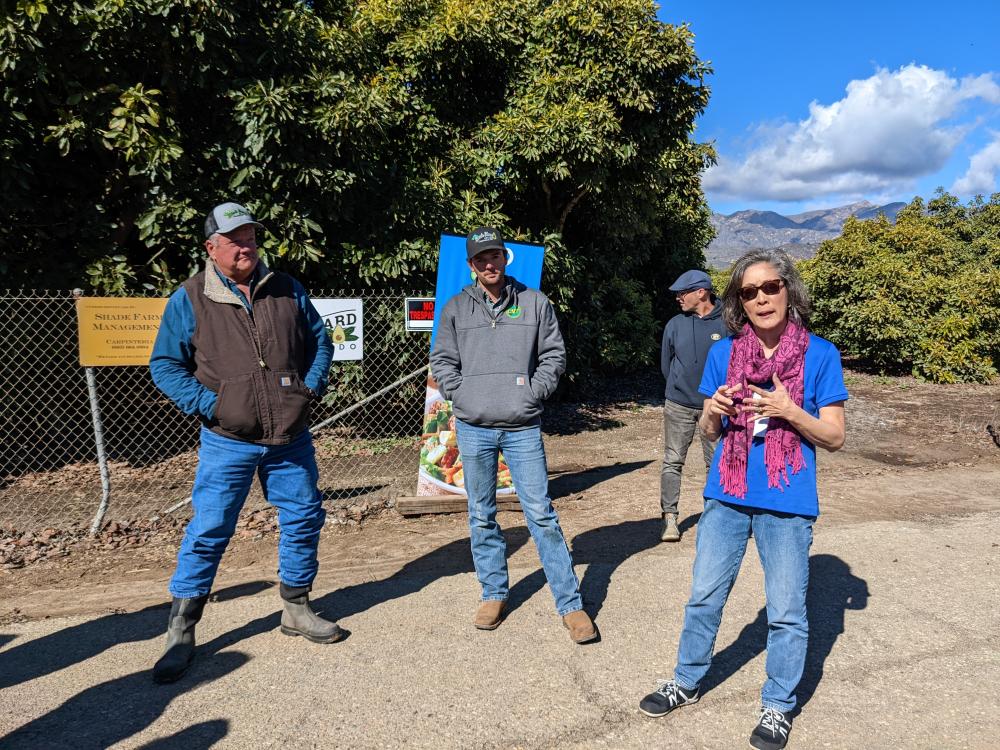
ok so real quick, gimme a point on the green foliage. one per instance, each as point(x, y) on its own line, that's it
point(922, 295)
point(358, 131)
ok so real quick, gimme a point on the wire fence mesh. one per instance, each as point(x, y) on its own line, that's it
point(49, 473)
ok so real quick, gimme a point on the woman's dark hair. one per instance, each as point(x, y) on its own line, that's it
point(799, 306)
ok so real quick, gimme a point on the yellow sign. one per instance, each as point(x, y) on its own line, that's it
point(117, 330)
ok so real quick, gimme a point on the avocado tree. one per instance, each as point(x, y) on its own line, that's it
point(358, 131)
point(922, 295)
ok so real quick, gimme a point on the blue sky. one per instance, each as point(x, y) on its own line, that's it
point(820, 104)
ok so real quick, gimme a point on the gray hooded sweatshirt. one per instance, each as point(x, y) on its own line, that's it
point(497, 363)
point(686, 341)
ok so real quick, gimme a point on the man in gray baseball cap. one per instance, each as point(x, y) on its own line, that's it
point(243, 348)
point(687, 338)
point(226, 217)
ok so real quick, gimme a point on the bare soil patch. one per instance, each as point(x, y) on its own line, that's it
point(914, 450)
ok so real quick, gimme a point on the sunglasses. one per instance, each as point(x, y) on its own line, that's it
point(748, 293)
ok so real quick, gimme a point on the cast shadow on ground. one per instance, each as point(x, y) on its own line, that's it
point(5, 639)
point(117, 709)
point(199, 736)
point(448, 560)
point(333, 495)
point(833, 590)
point(59, 650)
point(569, 483)
point(602, 550)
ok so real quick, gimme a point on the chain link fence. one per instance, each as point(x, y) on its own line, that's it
point(366, 430)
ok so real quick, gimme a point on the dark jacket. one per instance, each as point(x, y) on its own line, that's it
point(686, 341)
point(497, 364)
point(242, 368)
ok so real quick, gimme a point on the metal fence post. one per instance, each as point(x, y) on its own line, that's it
point(102, 456)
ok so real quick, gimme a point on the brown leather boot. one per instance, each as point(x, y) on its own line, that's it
point(581, 627)
point(489, 615)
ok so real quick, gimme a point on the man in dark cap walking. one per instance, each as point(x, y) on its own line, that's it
point(687, 338)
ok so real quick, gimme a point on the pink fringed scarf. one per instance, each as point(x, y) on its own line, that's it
point(782, 444)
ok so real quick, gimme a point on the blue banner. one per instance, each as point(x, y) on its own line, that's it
point(524, 263)
point(440, 472)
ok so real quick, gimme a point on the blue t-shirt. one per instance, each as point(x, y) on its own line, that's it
point(823, 385)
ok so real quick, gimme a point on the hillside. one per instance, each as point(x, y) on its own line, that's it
point(798, 234)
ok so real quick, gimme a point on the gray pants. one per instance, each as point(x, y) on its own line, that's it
point(679, 426)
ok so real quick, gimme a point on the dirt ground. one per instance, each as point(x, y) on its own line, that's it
point(903, 651)
point(604, 467)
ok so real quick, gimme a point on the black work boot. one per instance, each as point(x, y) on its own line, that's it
point(184, 615)
point(299, 619)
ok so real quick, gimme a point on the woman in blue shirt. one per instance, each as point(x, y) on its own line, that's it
point(773, 393)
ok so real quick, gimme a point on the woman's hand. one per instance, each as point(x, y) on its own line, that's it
point(722, 403)
point(719, 405)
point(774, 403)
point(827, 431)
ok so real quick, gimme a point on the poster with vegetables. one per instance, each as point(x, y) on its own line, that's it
point(440, 471)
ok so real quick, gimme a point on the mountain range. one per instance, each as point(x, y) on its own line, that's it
point(799, 234)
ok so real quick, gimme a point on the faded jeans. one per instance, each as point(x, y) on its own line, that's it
point(226, 468)
point(679, 426)
point(525, 455)
point(783, 543)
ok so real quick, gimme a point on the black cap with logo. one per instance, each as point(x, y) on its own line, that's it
point(480, 239)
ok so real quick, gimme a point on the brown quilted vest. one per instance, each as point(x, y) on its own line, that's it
point(254, 362)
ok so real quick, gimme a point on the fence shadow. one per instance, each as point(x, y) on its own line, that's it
point(72, 645)
point(833, 590)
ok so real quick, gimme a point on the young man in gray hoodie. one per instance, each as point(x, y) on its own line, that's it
point(687, 338)
point(497, 355)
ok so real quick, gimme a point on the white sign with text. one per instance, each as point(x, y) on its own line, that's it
point(344, 321)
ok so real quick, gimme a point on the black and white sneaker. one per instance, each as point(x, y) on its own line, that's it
point(772, 730)
point(667, 696)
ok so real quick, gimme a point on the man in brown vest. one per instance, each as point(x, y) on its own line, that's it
point(243, 348)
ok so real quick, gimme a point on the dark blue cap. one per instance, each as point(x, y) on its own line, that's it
point(691, 280)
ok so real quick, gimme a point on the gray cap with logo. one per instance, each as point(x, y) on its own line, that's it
point(226, 217)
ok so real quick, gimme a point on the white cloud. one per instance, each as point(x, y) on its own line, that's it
point(888, 130)
point(984, 169)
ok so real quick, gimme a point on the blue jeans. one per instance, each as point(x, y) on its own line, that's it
point(226, 468)
point(525, 455)
point(783, 545)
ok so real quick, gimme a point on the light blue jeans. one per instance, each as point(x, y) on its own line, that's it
point(783, 543)
point(226, 468)
point(525, 455)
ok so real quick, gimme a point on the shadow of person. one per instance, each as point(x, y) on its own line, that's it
point(199, 736)
point(450, 559)
point(56, 651)
point(569, 483)
point(833, 590)
point(113, 711)
point(603, 550)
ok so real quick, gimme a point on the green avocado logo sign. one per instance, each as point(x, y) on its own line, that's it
point(514, 311)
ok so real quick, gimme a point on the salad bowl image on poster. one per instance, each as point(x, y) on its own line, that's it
point(440, 470)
